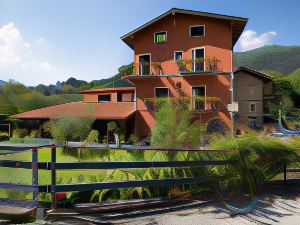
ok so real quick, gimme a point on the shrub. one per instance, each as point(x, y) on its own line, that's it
point(267, 155)
point(112, 127)
point(175, 127)
point(92, 138)
point(69, 129)
point(34, 134)
point(133, 138)
point(4, 136)
point(20, 133)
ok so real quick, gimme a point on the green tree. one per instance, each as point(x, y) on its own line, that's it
point(68, 129)
point(295, 80)
point(273, 73)
point(68, 89)
point(175, 127)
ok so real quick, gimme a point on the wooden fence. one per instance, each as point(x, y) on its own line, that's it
point(53, 166)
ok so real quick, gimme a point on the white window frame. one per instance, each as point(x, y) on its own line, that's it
point(204, 94)
point(204, 53)
point(199, 25)
point(138, 57)
point(160, 32)
point(160, 88)
point(252, 103)
point(175, 55)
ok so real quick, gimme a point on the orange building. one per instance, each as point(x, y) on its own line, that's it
point(179, 53)
point(184, 53)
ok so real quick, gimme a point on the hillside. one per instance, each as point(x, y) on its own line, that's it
point(2, 82)
point(285, 59)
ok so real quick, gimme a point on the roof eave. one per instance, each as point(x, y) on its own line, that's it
point(183, 11)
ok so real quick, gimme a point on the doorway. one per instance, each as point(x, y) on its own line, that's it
point(198, 92)
point(144, 65)
point(198, 59)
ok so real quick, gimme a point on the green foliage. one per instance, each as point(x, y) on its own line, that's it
point(133, 138)
point(283, 103)
point(4, 136)
point(68, 129)
point(284, 59)
point(126, 70)
point(19, 133)
point(92, 138)
point(274, 74)
point(266, 155)
point(295, 80)
point(16, 98)
point(174, 127)
point(68, 89)
point(282, 86)
point(112, 127)
point(35, 134)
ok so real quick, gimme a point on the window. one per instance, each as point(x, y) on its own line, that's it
point(161, 92)
point(160, 37)
point(103, 98)
point(251, 90)
point(252, 122)
point(252, 107)
point(197, 31)
point(177, 56)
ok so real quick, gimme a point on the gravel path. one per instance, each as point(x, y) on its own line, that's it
point(277, 205)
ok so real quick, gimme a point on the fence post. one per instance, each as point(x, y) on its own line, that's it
point(35, 173)
point(53, 177)
point(284, 174)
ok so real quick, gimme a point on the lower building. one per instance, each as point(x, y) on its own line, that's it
point(252, 90)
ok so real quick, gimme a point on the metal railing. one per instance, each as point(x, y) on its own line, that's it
point(200, 65)
point(53, 166)
point(196, 104)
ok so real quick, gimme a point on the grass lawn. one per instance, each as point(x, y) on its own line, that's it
point(16, 175)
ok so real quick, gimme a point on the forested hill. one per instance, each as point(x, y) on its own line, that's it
point(2, 82)
point(284, 59)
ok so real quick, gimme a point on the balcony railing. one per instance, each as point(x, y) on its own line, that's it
point(207, 64)
point(196, 104)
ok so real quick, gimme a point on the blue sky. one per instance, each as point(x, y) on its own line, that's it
point(50, 40)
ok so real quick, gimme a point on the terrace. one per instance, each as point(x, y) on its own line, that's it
point(183, 67)
point(196, 104)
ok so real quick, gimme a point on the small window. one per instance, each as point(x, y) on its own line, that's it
point(252, 107)
point(251, 90)
point(196, 31)
point(161, 92)
point(103, 98)
point(177, 56)
point(160, 37)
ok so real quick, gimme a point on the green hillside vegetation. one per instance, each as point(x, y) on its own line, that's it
point(285, 59)
point(17, 98)
point(295, 80)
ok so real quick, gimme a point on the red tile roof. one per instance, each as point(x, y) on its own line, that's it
point(103, 110)
point(109, 89)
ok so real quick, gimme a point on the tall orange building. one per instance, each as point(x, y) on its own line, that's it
point(183, 53)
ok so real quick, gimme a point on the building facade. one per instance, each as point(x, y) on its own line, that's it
point(252, 90)
point(183, 53)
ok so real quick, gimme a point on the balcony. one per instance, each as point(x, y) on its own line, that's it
point(196, 104)
point(200, 65)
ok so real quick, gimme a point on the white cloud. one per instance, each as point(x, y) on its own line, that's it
point(250, 40)
point(19, 61)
